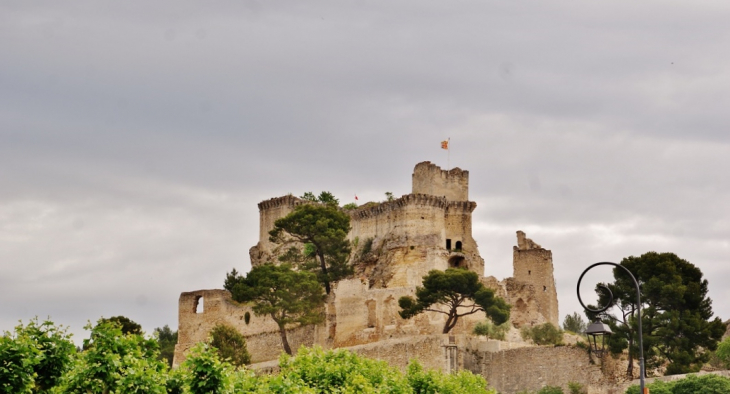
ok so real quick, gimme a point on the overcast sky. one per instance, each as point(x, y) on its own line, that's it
point(137, 137)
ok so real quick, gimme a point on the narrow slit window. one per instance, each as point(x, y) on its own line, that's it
point(199, 304)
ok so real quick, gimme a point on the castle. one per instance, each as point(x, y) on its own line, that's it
point(395, 243)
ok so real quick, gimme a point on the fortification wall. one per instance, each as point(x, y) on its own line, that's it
point(431, 179)
point(533, 264)
point(216, 307)
point(417, 217)
point(531, 368)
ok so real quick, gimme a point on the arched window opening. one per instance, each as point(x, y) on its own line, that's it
point(458, 246)
point(198, 307)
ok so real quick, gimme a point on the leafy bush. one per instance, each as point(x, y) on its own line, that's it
point(723, 352)
point(230, 344)
point(491, 330)
point(692, 384)
point(576, 388)
point(116, 362)
point(207, 374)
point(543, 334)
point(367, 246)
point(349, 206)
point(19, 356)
point(343, 370)
point(706, 384)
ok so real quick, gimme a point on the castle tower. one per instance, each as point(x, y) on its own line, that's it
point(430, 179)
point(534, 265)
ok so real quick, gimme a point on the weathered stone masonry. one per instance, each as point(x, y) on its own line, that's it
point(430, 228)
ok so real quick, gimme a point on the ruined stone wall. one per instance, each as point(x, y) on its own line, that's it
point(533, 264)
point(262, 333)
point(531, 368)
point(431, 179)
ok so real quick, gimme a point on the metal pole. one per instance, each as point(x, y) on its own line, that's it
point(608, 305)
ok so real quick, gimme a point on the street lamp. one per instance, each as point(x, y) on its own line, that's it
point(603, 331)
point(597, 330)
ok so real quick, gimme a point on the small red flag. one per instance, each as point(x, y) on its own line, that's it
point(445, 144)
point(355, 196)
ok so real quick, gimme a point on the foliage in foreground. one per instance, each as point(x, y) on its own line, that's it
point(692, 384)
point(127, 363)
point(34, 357)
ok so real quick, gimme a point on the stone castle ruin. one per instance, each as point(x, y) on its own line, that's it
point(395, 243)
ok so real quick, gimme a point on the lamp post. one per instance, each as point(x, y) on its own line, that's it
point(600, 331)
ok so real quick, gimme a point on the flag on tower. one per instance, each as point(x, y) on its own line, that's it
point(445, 144)
point(356, 197)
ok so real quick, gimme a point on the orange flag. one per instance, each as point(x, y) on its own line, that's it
point(445, 144)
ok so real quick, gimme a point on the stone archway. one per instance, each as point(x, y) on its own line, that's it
point(457, 261)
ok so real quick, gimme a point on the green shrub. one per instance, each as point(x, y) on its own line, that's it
point(367, 246)
point(114, 362)
point(207, 374)
point(705, 384)
point(230, 344)
point(723, 352)
point(491, 330)
point(349, 206)
point(19, 357)
point(576, 388)
point(550, 390)
point(543, 334)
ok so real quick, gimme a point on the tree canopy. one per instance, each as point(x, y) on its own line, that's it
point(460, 292)
point(676, 313)
point(166, 339)
point(287, 296)
point(127, 325)
point(574, 323)
point(231, 345)
point(325, 228)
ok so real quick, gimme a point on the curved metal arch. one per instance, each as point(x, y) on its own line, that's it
point(610, 302)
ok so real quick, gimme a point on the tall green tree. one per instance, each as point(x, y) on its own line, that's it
point(460, 292)
point(676, 312)
point(325, 228)
point(287, 296)
point(166, 339)
point(574, 323)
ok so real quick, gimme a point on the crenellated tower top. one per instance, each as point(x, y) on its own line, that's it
point(430, 179)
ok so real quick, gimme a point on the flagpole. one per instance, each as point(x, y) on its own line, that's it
point(448, 154)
